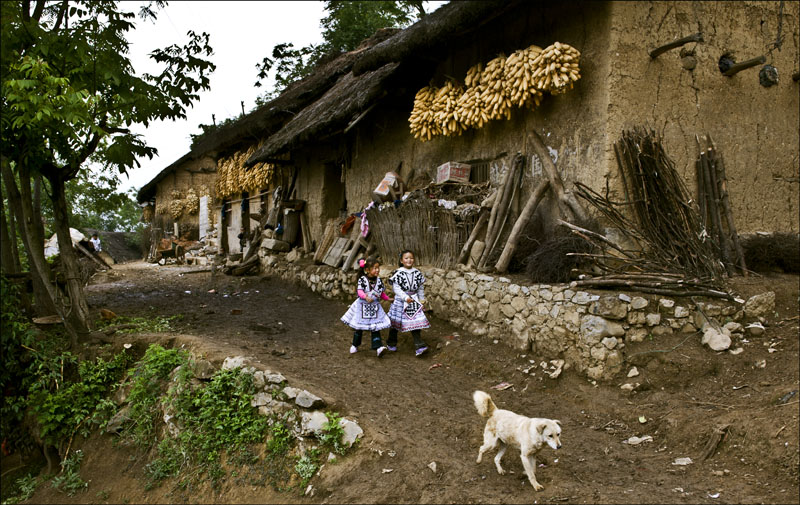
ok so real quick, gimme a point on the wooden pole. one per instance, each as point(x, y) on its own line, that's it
point(697, 37)
point(726, 205)
point(724, 242)
point(519, 226)
point(501, 209)
point(506, 212)
point(550, 170)
point(483, 218)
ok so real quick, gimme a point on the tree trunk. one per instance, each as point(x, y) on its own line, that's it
point(78, 315)
point(44, 292)
point(7, 263)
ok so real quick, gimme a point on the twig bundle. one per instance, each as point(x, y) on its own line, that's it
point(670, 242)
point(432, 232)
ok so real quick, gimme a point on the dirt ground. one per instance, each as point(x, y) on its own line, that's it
point(418, 411)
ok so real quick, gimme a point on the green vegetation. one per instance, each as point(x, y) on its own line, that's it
point(154, 324)
point(147, 382)
point(69, 480)
point(212, 432)
point(23, 489)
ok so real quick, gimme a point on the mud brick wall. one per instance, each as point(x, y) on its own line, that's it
point(587, 330)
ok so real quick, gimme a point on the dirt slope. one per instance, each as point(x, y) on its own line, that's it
point(418, 411)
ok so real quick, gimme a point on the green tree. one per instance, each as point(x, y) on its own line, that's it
point(347, 24)
point(70, 94)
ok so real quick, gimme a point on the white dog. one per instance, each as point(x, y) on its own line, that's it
point(528, 434)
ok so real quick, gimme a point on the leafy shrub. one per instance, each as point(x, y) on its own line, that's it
point(77, 405)
point(70, 481)
point(214, 419)
point(147, 384)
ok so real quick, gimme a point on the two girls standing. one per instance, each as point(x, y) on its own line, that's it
point(405, 314)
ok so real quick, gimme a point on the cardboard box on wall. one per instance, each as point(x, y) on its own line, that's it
point(452, 172)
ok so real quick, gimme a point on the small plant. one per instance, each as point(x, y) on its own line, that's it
point(155, 324)
point(306, 467)
point(332, 433)
point(280, 439)
point(154, 367)
point(215, 419)
point(70, 481)
point(25, 488)
point(102, 495)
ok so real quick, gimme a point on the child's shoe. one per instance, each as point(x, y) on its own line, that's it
point(421, 350)
point(353, 349)
point(381, 350)
point(391, 348)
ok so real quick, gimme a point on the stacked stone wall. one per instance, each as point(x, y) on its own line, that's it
point(587, 330)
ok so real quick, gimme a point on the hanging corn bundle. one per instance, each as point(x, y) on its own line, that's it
point(444, 109)
point(175, 204)
point(491, 90)
point(191, 203)
point(220, 186)
point(469, 109)
point(556, 68)
point(493, 97)
point(421, 121)
point(518, 78)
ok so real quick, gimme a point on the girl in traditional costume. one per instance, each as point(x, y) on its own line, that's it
point(406, 312)
point(366, 312)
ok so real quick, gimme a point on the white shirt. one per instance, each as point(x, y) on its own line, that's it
point(96, 243)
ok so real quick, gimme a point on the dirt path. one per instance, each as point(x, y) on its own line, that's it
point(419, 411)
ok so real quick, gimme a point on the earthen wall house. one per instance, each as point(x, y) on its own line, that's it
point(342, 151)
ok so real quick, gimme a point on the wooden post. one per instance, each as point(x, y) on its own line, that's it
point(552, 173)
point(726, 205)
point(519, 226)
point(697, 37)
point(483, 218)
point(738, 67)
point(499, 209)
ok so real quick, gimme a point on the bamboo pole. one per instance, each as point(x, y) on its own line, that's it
point(519, 226)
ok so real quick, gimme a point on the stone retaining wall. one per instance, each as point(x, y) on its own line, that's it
point(587, 330)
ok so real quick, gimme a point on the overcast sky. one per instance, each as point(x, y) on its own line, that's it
point(242, 33)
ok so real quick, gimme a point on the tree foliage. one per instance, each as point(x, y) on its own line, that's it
point(70, 95)
point(346, 25)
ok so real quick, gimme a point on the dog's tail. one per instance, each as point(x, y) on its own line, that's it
point(483, 403)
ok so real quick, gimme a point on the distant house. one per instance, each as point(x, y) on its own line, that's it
point(330, 138)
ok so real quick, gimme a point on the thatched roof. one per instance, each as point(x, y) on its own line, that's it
point(432, 35)
point(268, 118)
point(348, 98)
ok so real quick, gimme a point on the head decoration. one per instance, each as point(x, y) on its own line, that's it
point(361, 262)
